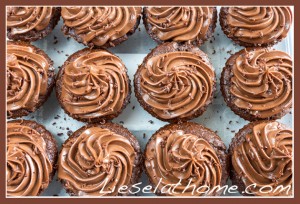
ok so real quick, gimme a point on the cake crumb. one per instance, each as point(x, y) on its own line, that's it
point(69, 133)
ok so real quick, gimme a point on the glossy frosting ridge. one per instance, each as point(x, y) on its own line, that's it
point(98, 159)
point(27, 77)
point(175, 156)
point(100, 25)
point(259, 25)
point(265, 158)
point(21, 20)
point(262, 81)
point(94, 84)
point(28, 167)
point(177, 84)
point(180, 23)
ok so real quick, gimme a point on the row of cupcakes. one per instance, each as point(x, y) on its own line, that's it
point(174, 83)
point(109, 26)
point(184, 159)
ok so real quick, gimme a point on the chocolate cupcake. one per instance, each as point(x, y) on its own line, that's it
point(187, 155)
point(261, 158)
point(256, 83)
point(30, 78)
point(181, 24)
point(31, 154)
point(31, 23)
point(175, 82)
point(256, 26)
point(100, 26)
point(98, 159)
point(93, 85)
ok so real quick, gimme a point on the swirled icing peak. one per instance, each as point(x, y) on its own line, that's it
point(180, 23)
point(27, 77)
point(21, 20)
point(176, 84)
point(262, 81)
point(265, 157)
point(100, 25)
point(95, 84)
point(98, 159)
point(28, 167)
point(259, 25)
point(174, 156)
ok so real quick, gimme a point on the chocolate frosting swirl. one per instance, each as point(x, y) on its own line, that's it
point(100, 25)
point(175, 155)
point(21, 20)
point(180, 23)
point(259, 25)
point(97, 159)
point(265, 157)
point(262, 81)
point(176, 84)
point(95, 84)
point(28, 167)
point(27, 76)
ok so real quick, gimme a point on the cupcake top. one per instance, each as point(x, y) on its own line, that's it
point(93, 84)
point(100, 26)
point(28, 165)
point(180, 24)
point(21, 20)
point(258, 25)
point(261, 81)
point(265, 156)
point(29, 77)
point(96, 158)
point(176, 154)
point(177, 83)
